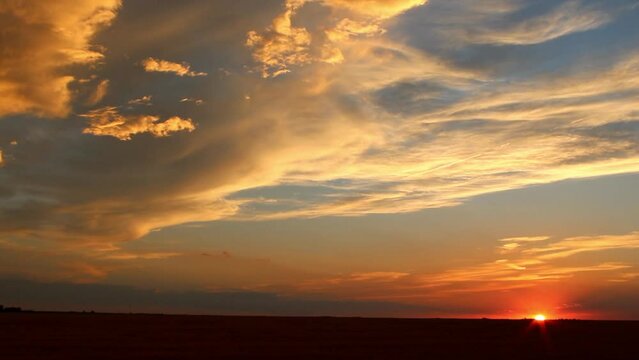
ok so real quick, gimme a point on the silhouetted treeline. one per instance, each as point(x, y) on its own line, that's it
point(10, 309)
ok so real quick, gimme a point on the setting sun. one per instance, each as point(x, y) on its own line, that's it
point(540, 317)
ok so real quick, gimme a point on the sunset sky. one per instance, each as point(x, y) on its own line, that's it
point(462, 158)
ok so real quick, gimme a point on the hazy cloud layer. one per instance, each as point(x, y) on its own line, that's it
point(105, 298)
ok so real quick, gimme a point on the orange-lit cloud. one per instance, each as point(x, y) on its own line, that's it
point(522, 270)
point(583, 244)
point(543, 131)
point(348, 28)
point(159, 65)
point(109, 122)
point(99, 93)
point(376, 8)
point(530, 262)
point(283, 45)
point(40, 40)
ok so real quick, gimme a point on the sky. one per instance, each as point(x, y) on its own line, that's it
point(413, 158)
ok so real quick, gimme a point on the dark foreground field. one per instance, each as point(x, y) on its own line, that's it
point(105, 336)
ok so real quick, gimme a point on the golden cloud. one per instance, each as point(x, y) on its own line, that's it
point(99, 93)
point(543, 130)
point(583, 244)
point(159, 65)
point(282, 45)
point(526, 267)
point(109, 122)
point(38, 40)
point(380, 9)
point(530, 262)
point(348, 28)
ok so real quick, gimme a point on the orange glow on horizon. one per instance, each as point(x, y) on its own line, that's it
point(540, 317)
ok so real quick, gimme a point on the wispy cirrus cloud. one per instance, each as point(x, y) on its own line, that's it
point(566, 18)
point(519, 23)
point(583, 244)
point(531, 261)
point(538, 261)
point(463, 135)
point(100, 92)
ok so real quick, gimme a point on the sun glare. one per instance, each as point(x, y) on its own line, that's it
point(540, 317)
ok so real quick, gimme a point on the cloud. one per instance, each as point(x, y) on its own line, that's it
point(470, 134)
point(39, 41)
point(529, 262)
point(64, 296)
point(377, 277)
point(108, 121)
point(282, 45)
point(348, 28)
point(521, 239)
point(511, 244)
point(568, 17)
point(530, 265)
point(144, 100)
point(511, 23)
point(180, 69)
point(192, 100)
point(389, 128)
point(582, 244)
point(99, 93)
point(380, 9)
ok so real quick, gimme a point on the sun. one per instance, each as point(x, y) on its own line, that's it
point(540, 317)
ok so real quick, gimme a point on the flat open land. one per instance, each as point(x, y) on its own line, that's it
point(110, 336)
